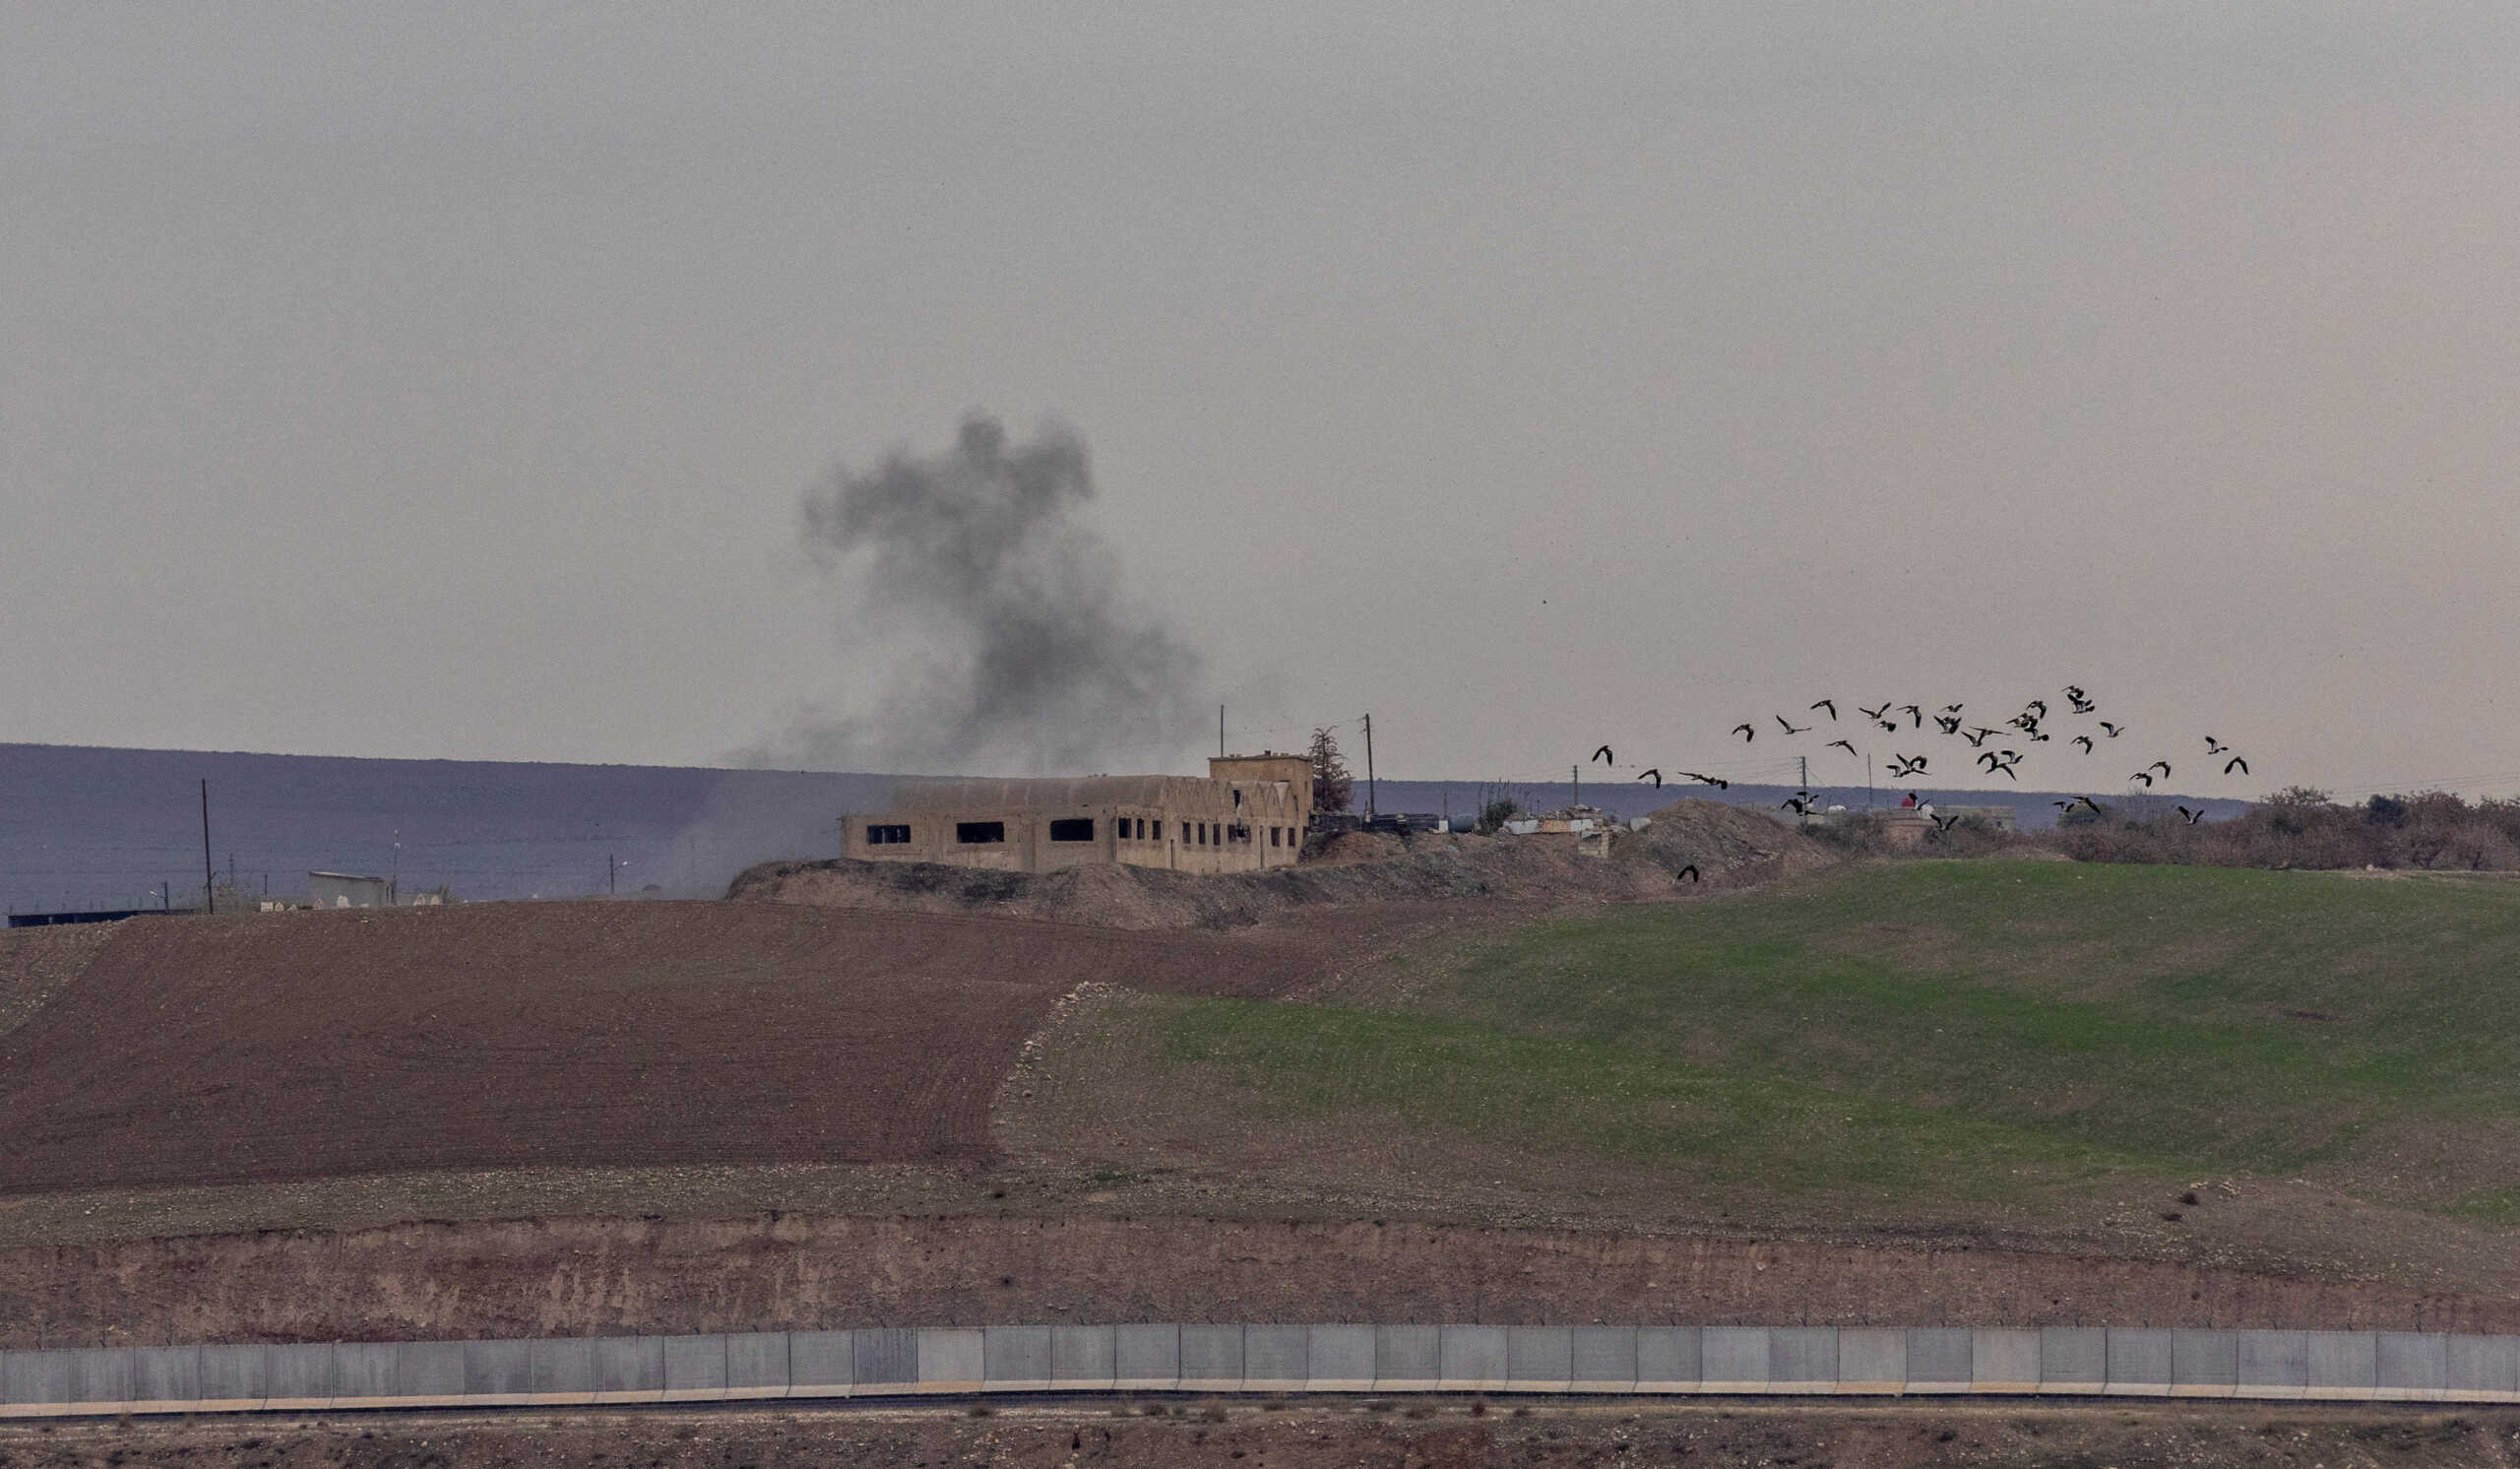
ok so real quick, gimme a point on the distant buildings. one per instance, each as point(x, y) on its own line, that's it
point(1247, 815)
point(347, 890)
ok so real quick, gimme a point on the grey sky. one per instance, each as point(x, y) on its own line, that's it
point(445, 381)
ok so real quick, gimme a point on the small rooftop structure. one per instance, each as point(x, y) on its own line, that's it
point(347, 890)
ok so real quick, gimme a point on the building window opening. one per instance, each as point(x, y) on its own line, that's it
point(1159, 830)
point(1273, 835)
point(1203, 834)
point(1072, 829)
point(886, 836)
point(979, 833)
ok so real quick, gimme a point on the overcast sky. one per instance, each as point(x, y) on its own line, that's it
point(447, 381)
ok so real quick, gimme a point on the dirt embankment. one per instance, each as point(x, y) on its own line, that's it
point(37, 964)
point(1725, 845)
point(1311, 1433)
point(590, 1276)
point(266, 1048)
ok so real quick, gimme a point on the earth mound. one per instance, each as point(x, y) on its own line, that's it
point(1727, 845)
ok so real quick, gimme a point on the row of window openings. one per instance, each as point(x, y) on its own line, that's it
point(1081, 829)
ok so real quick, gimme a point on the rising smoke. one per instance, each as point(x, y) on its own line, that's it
point(987, 620)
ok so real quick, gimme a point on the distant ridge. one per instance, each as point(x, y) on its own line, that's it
point(99, 828)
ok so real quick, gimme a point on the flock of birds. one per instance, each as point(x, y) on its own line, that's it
point(2031, 727)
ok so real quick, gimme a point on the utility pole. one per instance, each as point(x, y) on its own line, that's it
point(1220, 732)
point(1370, 811)
point(611, 882)
point(207, 882)
point(1577, 771)
point(1806, 789)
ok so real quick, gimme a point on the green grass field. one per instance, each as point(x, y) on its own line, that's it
point(1929, 1036)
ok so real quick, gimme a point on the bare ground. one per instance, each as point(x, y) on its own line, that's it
point(586, 1276)
point(1308, 1434)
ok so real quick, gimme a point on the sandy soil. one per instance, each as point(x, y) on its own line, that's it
point(1309, 1433)
point(591, 1276)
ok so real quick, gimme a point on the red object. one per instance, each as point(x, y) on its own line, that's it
point(1908, 799)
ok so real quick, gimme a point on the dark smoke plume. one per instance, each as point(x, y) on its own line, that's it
point(1000, 639)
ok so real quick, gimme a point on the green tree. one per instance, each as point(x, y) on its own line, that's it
point(1331, 785)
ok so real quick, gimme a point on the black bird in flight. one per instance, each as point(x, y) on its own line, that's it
point(1843, 745)
point(1707, 780)
point(1791, 728)
point(2145, 776)
point(2237, 762)
point(1875, 713)
point(2007, 769)
point(2192, 817)
point(1658, 778)
point(2114, 730)
point(2085, 741)
point(2079, 800)
point(1978, 737)
point(1994, 761)
point(2037, 708)
point(1916, 715)
point(1603, 755)
point(2160, 765)
point(2214, 747)
point(1945, 823)
point(1830, 705)
point(1745, 731)
point(1951, 709)
point(1906, 765)
point(1689, 872)
point(1949, 723)
point(1799, 807)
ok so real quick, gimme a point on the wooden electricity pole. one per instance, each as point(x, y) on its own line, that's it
point(1369, 768)
point(207, 881)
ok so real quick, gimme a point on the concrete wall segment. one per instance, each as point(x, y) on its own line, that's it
point(1940, 1359)
point(1147, 1358)
point(1016, 1358)
point(1474, 1359)
point(695, 1369)
point(1340, 1359)
point(2139, 1362)
point(1407, 1359)
point(1734, 1359)
point(2414, 1365)
point(367, 1373)
point(822, 1363)
point(2003, 1359)
point(2342, 1364)
point(562, 1369)
point(2073, 1358)
point(2484, 1368)
point(1084, 1355)
point(1671, 1359)
point(431, 1372)
point(1872, 1359)
point(952, 1359)
point(1602, 1359)
point(1275, 1358)
point(1539, 1359)
point(498, 1372)
point(164, 1379)
point(757, 1365)
point(301, 1376)
point(1211, 1357)
point(2271, 1363)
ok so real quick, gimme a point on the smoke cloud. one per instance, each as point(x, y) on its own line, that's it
point(995, 617)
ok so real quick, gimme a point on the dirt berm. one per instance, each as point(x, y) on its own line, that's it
point(1726, 845)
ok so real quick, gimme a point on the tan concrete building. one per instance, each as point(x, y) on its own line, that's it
point(1247, 815)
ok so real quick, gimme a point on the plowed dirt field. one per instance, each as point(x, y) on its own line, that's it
point(275, 1046)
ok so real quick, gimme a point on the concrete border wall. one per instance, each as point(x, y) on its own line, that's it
point(1273, 1357)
